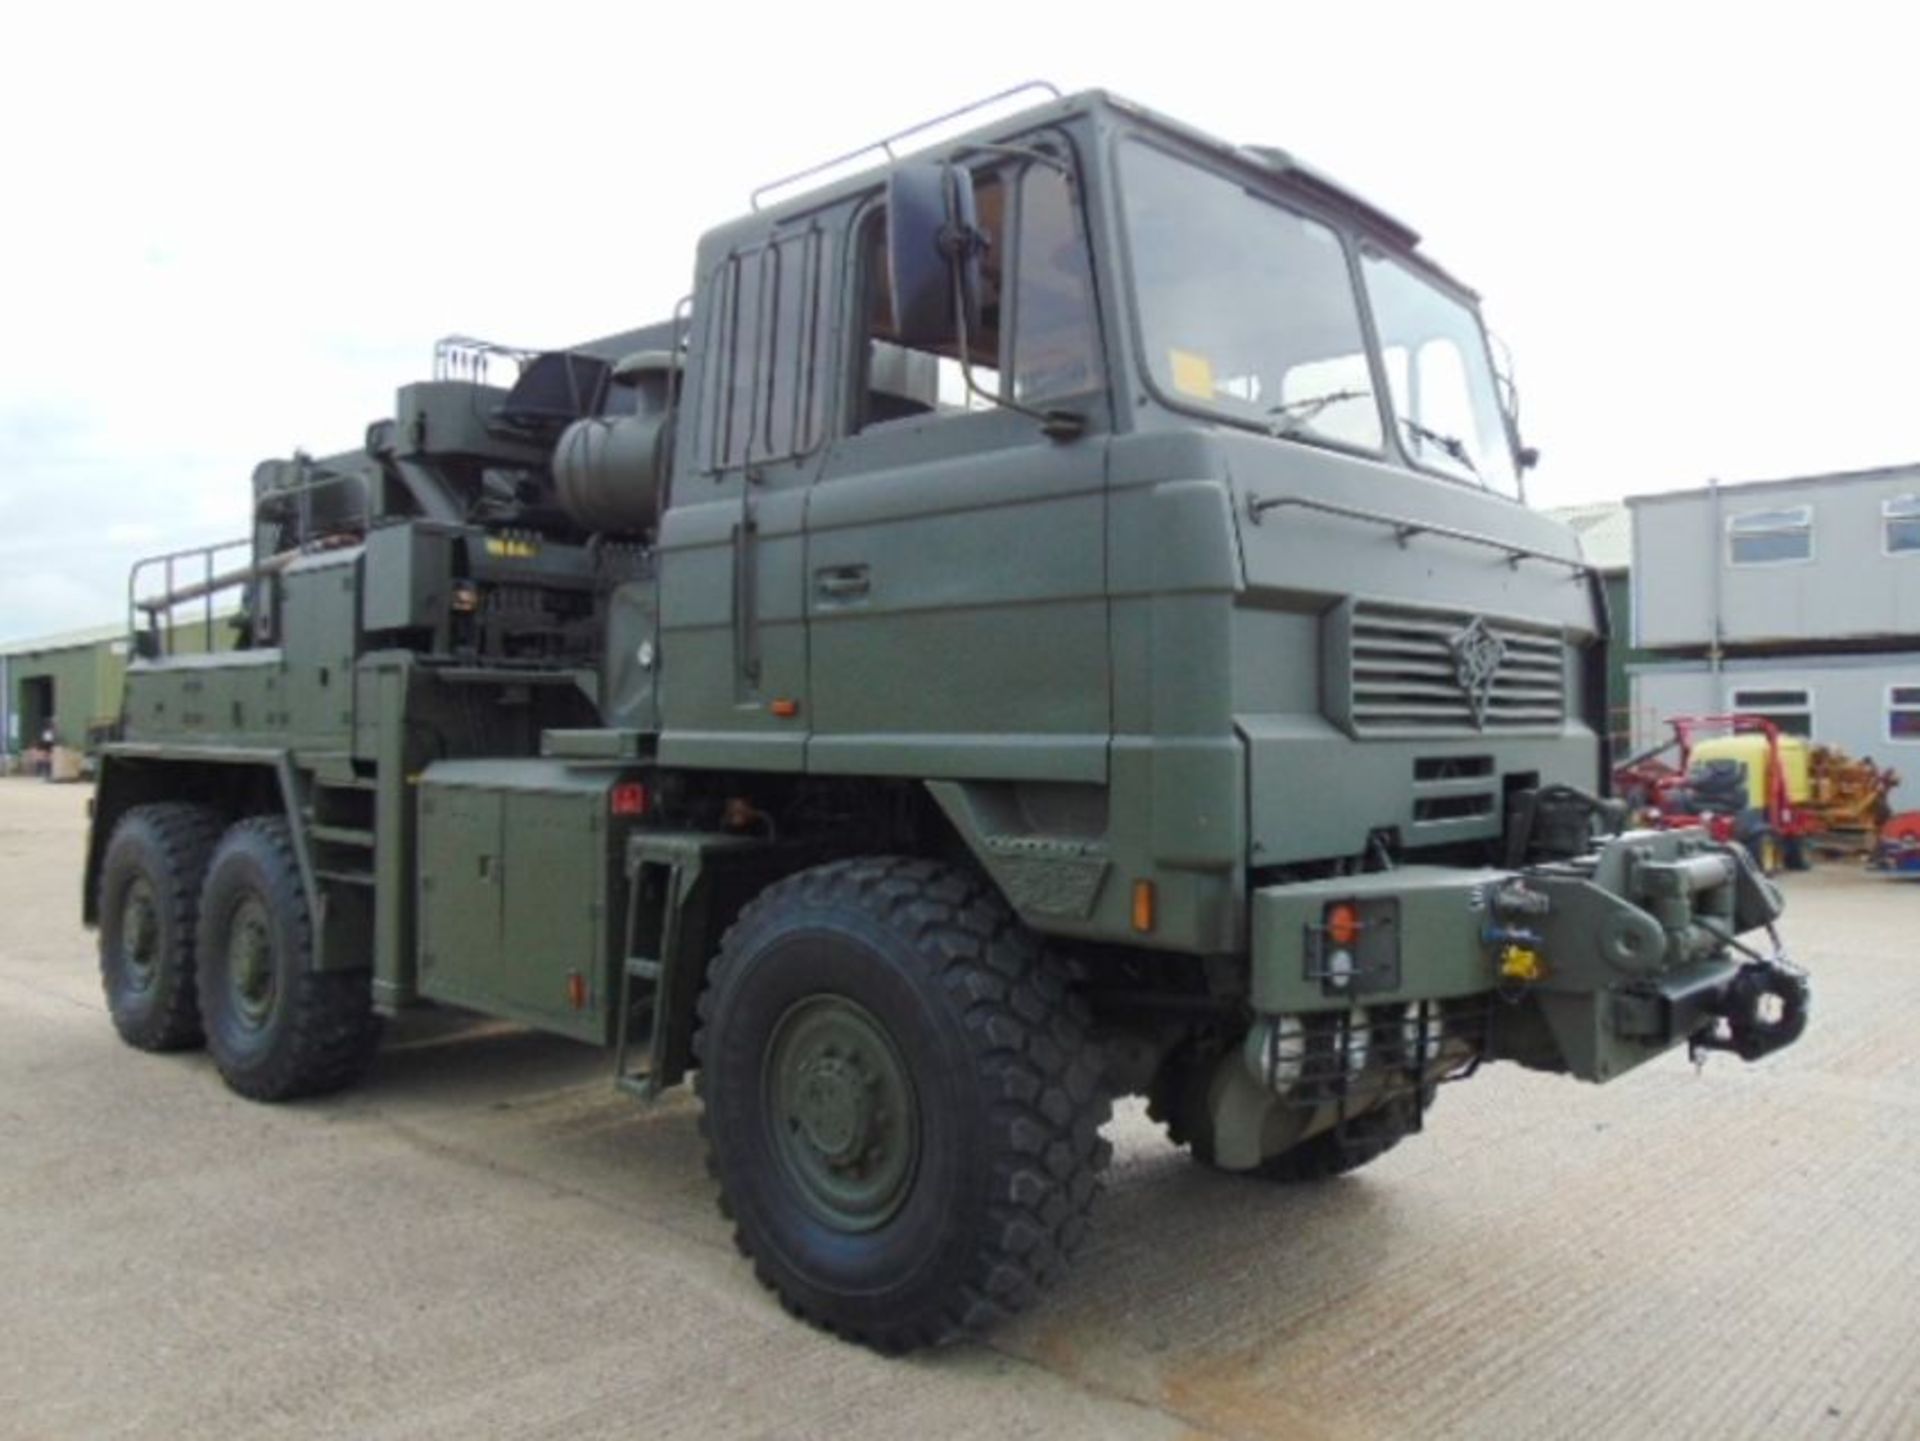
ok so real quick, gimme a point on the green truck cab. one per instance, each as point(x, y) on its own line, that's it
point(1052, 616)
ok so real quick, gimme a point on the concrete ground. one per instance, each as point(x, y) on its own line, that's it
point(486, 1239)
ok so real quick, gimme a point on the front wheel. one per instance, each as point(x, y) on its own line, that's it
point(277, 1028)
point(901, 1103)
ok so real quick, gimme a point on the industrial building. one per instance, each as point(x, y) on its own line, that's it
point(1605, 529)
point(1797, 600)
point(71, 683)
point(67, 683)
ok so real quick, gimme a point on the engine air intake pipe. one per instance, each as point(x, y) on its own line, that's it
point(609, 470)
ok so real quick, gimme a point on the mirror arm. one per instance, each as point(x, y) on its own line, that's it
point(1054, 424)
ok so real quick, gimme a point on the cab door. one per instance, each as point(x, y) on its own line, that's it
point(733, 647)
point(956, 593)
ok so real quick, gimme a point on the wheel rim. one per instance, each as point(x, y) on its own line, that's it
point(841, 1106)
point(250, 974)
point(140, 935)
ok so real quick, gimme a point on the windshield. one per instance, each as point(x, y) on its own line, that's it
point(1439, 377)
point(1246, 307)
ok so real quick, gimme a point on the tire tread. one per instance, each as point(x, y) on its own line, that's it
point(184, 834)
point(1028, 1033)
point(332, 1031)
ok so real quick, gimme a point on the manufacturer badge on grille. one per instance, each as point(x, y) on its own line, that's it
point(1477, 655)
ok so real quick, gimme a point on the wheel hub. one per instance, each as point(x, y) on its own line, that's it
point(140, 935)
point(250, 961)
point(841, 1108)
point(833, 1104)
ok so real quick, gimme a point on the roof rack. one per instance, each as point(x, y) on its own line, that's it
point(887, 143)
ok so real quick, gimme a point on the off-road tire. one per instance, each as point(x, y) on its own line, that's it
point(163, 848)
point(1005, 1087)
point(306, 1032)
point(1177, 1099)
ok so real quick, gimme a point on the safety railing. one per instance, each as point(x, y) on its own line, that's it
point(887, 143)
point(466, 357)
point(197, 575)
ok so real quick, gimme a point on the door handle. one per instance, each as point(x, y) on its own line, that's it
point(842, 582)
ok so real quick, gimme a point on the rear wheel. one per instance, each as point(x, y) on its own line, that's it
point(901, 1103)
point(277, 1028)
point(147, 903)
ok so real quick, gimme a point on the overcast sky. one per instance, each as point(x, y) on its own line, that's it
point(229, 234)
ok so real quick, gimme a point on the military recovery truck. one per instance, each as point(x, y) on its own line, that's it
point(1051, 617)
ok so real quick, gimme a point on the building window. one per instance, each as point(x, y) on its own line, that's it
point(1790, 710)
point(1771, 537)
point(1903, 713)
point(1900, 523)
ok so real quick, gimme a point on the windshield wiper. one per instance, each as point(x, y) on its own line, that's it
point(1299, 412)
point(1451, 445)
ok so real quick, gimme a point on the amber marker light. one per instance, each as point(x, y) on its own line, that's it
point(784, 708)
point(1143, 906)
point(1343, 924)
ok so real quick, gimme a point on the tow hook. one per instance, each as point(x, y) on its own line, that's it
point(1763, 1008)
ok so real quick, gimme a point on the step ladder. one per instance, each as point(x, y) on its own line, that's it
point(670, 875)
point(645, 981)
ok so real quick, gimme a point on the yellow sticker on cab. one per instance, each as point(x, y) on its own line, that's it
point(1192, 374)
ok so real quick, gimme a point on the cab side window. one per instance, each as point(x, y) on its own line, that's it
point(1036, 338)
point(762, 401)
point(1056, 343)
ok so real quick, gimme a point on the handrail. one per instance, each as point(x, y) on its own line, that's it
point(1406, 530)
point(465, 357)
point(316, 477)
point(216, 575)
point(172, 594)
point(886, 143)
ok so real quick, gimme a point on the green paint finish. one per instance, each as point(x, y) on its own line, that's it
point(78, 689)
point(1615, 942)
point(520, 892)
point(1134, 630)
point(845, 1118)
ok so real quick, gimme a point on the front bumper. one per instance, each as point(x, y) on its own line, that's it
point(1589, 966)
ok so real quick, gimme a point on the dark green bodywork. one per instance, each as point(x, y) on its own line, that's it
point(1089, 664)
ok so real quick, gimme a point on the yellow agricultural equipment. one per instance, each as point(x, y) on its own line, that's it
point(1747, 780)
point(1848, 797)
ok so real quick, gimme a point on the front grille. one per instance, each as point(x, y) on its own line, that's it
point(1404, 676)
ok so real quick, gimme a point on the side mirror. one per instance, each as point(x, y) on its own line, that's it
point(934, 245)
